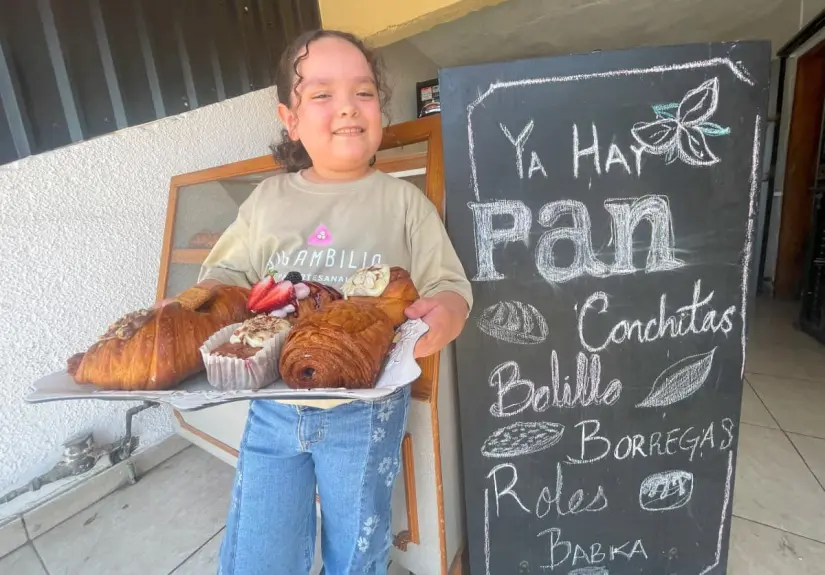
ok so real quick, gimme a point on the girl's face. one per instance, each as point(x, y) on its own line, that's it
point(338, 118)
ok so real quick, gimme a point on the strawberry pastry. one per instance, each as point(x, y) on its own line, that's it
point(289, 298)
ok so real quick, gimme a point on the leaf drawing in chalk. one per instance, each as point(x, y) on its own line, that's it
point(680, 129)
point(680, 380)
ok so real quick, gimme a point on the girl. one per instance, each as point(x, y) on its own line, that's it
point(331, 212)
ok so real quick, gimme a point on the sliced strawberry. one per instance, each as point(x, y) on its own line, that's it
point(280, 295)
point(258, 291)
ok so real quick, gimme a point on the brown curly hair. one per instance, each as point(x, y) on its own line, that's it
point(292, 155)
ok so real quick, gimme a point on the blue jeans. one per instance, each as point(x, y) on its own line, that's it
point(352, 452)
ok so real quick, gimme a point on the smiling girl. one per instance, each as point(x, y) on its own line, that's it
point(330, 201)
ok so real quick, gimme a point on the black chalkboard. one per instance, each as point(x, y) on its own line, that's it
point(604, 207)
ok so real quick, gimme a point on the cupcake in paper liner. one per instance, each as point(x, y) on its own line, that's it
point(245, 355)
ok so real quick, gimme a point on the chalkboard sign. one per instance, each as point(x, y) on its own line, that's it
point(604, 207)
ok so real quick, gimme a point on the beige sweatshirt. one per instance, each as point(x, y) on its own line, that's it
point(327, 231)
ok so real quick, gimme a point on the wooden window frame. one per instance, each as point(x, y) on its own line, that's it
point(425, 130)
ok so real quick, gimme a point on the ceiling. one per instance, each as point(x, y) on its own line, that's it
point(528, 28)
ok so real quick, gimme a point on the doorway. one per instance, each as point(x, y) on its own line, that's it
point(799, 273)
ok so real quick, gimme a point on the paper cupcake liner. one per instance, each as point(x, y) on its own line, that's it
point(232, 373)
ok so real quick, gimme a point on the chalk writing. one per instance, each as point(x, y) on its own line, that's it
point(519, 144)
point(626, 216)
point(487, 237)
point(535, 165)
point(584, 260)
point(506, 378)
point(549, 500)
point(680, 380)
point(740, 72)
point(689, 319)
point(561, 551)
point(595, 447)
point(614, 154)
point(666, 490)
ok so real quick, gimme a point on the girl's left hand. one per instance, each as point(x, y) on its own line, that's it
point(445, 313)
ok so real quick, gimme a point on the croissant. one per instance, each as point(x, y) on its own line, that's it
point(158, 348)
point(399, 294)
point(343, 344)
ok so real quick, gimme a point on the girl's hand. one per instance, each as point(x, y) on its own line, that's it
point(445, 313)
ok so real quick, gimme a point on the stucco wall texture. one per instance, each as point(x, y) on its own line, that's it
point(81, 231)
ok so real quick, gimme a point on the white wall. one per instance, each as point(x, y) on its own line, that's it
point(405, 66)
point(81, 231)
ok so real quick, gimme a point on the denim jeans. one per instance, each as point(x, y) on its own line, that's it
point(351, 451)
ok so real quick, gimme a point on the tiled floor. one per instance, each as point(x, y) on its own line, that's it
point(779, 496)
point(171, 521)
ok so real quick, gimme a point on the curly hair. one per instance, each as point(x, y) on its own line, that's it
point(292, 155)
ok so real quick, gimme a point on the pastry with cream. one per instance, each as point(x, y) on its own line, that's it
point(245, 356)
point(390, 289)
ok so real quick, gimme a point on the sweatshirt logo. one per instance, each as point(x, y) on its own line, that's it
point(320, 237)
point(321, 262)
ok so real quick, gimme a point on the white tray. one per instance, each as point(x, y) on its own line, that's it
point(195, 393)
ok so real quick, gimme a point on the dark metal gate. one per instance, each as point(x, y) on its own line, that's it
point(71, 70)
point(812, 310)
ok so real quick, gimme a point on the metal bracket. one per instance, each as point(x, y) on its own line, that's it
point(80, 454)
point(121, 449)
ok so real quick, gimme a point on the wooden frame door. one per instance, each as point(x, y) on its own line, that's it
point(800, 174)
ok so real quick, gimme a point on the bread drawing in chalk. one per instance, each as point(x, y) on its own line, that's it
point(666, 490)
point(514, 322)
point(522, 438)
point(593, 570)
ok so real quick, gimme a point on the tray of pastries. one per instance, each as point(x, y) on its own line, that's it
point(284, 338)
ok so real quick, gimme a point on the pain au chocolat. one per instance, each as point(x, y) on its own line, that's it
point(344, 343)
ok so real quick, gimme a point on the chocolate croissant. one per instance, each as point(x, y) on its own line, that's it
point(343, 344)
point(156, 349)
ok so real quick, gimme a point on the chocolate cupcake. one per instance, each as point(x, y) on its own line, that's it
point(245, 356)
